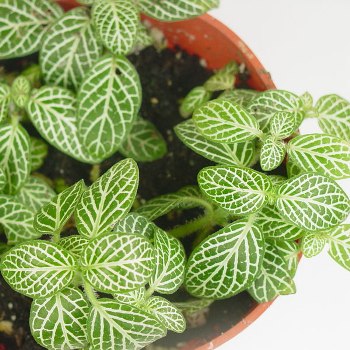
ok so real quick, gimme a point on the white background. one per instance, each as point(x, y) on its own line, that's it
point(305, 44)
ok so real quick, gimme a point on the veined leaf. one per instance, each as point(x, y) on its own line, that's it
point(116, 22)
point(33, 74)
point(312, 244)
point(39, 152)
point(267, 103)
point(17, 220)
point(313, 202)
point(272, 153)
point(220, 81)
point(135, 297)
point(292, 169)
point(282, 125)
point(54, 215)
point(239, 190)
point(143, 38)
point(86, 2)
point(167, 314)
point(334, 116)
point(5, 92)
point(194, 99)
point(176, 10)
point(274, 278)
point(230, 68)
point(60, 321)
point(144, 143)
point(20, 91)
point(277, 180)
point(226, 262)
point(308, 100)
point(38, 269)
point(192, 306)
point(2, 180)
point(223, 121)
point(52, 111)
point(339, 245)
point(321, 153)
point(35, 194)
point(108, 102)
point(135, 223)
point(23, 24)
point(240, 97)
point(108, 199)
point(14, 155)
point(240, 153)
point(289, 251)
point(118, 262)
point(74, 244)
point(69, 49)
point(169, 270)
point(124, 326)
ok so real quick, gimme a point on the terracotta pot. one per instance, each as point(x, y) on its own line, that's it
point(217, 45)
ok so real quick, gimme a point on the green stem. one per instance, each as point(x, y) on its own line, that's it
point(90, 293)
point(56, 236)
point(192, 226)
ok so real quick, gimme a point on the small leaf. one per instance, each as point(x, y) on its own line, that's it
point(230, 68)
point(38, 269)
point(272, 154)
point(240, 153)
point(144, 143)
point(312, 244)
point(135, 297)
point(5, 92)
point(240, 97)
point(282, 125)
point(321, 153)
point(135, 223)
point(339, 245)
point(176, 10)
point(20, 91)
point(289, 251)
point(124, 326)
point(193, 305)
point(239, 190)
point(220, 81)
point(23, 24)
point(334, 116)
point(167, 314)
point(194, 99)
point(118, 262)
point(143, 38)
point(108, 199)
point(313, 202)
point(108, 102)
point(39, 152)
point(308, 100)
point(54, 215)
point(223, 121)
point(74, 244)
point(227, 262)
point(2, 180)
point(60, 321)
point(292, 169)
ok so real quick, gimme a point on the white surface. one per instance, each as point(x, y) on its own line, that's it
point(305, 44)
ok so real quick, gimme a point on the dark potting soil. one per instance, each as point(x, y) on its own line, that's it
point(166, 77)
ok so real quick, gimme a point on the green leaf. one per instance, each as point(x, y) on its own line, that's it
point(69, 49)
point(86, 2)
point(267, 103)
point(5, 93)
point(230, 68)
point(14, 155)
point(54, 215)
point(289, 251)
point(321, 153)
point(334, 116)
point(274, 278)
point(135, 223)
point(308, 100)
point(143, 38)
point(60, 321)
point(313, 202)
point(135, 297)
point(227, 262)
point(124, 326)
point(272, 153)
point(312, 244)
point(108, 102)
point(23, 24)
point(144, 143)
point(192, 306)
point(17, 220)
point(194, 99)
point(20, 91)
point(52, 111)
point(339, 245)
point(39, 152)
point(240, 153)
point(223, 121)
point(277, 180)
point(2, 180)
point(38, 269)
point(169, 270)
point(176, 10)
point(292, 169)
point(220, 81)
point(240, 97)
point(167, 314)
point(35, 193)
point(282, 125)
point(240, 190)
point(118, 262)
point(108, 199)
point(74, 244)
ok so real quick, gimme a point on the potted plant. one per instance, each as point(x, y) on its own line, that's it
point(87, 276)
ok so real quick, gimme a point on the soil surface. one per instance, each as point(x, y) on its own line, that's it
point(166, 77)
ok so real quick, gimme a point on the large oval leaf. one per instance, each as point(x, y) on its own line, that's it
point(312, 244)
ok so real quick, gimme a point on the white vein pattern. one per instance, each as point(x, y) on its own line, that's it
point(69, 49)
point(272, 153)
point(334, 116)
point(239, 153)
point(223, 121)
point(321, 153)
point(5, 92)
point(74, 244)
point(20, 91)
point(116, 326)
point(39, 151)
point(313, 202)
point(289, 251)
point(23, 24)
point(2, 180)
point(38, 268)
point(135, 297)
point(194, 99)
point(108, 102)
point(118, 263)
point(60, 321)
point(239, 190)
point(282, 125)
point(240, 97)
point(220, 81)
point(108, 199)
point(143, 38)
point(176, 10)
point(227, 262)
point(339, 245)
point(312, 244)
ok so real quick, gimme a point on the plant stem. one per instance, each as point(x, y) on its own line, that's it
point(56, 236)
point(192, 226)
point(90, 293)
